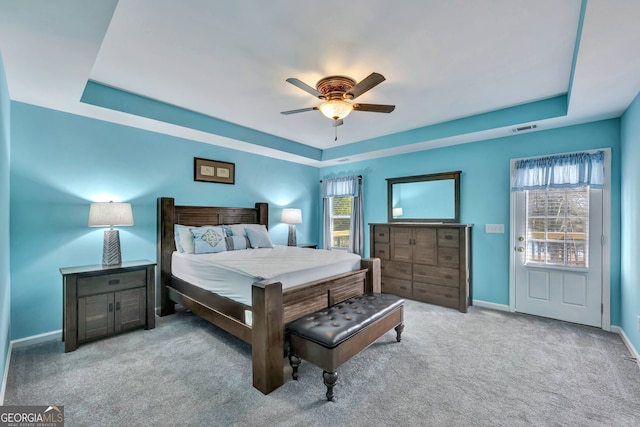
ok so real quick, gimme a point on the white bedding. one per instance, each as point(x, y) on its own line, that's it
point(231, 273)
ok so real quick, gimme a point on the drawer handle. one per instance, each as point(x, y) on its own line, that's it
point(118, 306)
point(114, 281)
point(403, 287)
point(381, 234)
point(448, 237)
point(381, 251)
point(382, 267)
point(448, 257)
point(110, 307)
point(422, 291)
point(448, 276)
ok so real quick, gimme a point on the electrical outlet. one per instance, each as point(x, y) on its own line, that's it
point(494, 228)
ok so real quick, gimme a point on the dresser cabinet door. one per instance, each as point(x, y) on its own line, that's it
point(402, 244)
point(425, 246)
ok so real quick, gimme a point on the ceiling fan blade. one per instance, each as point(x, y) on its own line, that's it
point(300, 110)
point(369, 82)
point(305, 87)
point(374, 108)
point(337, 123)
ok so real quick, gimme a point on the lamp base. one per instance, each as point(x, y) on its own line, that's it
point(111, 248)
point(292, 235)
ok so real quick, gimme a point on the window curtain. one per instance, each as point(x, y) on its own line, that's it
point(562, 171)
point(339, 187)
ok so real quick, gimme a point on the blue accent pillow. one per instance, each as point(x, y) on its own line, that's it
point(208, 239)
point(259, 237)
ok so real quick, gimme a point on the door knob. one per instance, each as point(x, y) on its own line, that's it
point(520, 249)
point(520, 239)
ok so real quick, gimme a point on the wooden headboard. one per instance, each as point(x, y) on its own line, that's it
point(169, 214)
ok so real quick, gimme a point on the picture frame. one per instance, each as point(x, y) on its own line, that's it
point(206, 170)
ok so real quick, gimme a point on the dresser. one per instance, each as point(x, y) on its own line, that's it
point(104, 300)
point(425, 262)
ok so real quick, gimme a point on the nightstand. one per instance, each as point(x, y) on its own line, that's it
point(101, 300)
point(307, 245)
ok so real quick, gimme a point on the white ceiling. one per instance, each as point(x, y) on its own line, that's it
point(443, 60)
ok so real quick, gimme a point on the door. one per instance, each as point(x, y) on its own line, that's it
point(558, 254)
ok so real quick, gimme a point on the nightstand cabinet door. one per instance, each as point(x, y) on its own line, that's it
point(129, 309)
point(95, 316)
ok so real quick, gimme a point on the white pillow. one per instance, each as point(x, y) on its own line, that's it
point(209, 239)
point(183, 238)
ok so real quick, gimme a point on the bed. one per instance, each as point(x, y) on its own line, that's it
point(271, 307)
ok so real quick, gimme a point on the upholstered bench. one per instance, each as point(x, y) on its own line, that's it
point(330, 337)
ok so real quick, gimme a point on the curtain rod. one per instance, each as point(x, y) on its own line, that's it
point(359, 177)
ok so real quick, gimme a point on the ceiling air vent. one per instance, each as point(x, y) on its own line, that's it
point(524, 128)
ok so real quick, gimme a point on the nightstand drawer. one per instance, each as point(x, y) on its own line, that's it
point(111, 282)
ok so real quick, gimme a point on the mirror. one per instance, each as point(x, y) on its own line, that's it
point(424, 198)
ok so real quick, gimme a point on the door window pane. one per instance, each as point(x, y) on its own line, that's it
point(557, 227)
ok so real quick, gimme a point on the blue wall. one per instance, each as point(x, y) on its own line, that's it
point(5, 279)
point(485, 193)
point(60, 163)
point(630, 242)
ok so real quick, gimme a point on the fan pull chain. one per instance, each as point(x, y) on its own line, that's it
point(336, 138)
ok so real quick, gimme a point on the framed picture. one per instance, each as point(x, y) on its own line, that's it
point(213, 171)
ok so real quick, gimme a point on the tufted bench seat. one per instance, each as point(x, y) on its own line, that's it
point(331, 336)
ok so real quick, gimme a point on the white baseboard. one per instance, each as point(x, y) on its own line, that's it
point(36, 339)
point(627, 342)
point(3, 387)
point(491, 305)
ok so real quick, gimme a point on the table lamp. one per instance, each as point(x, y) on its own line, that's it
point(108, 214)
point(292, 217)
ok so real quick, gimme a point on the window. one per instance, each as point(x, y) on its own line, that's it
point(340, 221)
point(558, 227)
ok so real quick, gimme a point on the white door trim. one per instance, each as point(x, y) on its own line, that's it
point(606, 239)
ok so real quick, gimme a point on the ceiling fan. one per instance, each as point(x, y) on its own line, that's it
point(335, 91)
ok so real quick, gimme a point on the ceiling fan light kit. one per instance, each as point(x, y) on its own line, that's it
point(336, 109)
point(335, 90)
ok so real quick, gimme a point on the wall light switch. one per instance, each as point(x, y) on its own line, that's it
point(494, 228)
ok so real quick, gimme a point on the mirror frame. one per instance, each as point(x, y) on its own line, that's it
point(455, 176)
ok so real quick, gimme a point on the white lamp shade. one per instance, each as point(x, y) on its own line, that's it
point(292, 216)
point(108, 214)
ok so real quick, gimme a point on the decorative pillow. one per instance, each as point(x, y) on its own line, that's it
point(184, 239)
point(235, 243)
point(259, 237)
point(239, 229)
point(208, 239)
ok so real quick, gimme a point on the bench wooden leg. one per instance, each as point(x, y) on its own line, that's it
point(330, 379)
point(399, 330)
point(294, 361)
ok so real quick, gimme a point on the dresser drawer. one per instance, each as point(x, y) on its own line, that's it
point(449, 257)
point(381, 234)
point(443, 276)
point(91, 285)
point(434, 294)
point(399, 270)
point(449, 237)
point(381, 250)
point(398, 287)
